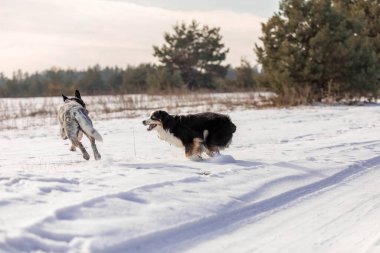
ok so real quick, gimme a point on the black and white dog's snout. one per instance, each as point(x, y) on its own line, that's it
point(150, 123)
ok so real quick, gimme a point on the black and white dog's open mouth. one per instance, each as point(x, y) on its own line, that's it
point(151, 126)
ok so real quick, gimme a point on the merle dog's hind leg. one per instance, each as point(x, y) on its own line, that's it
point(94, 148)
point(79, 136)
point(83, 150)
point(63, 134)
point(75, 143)
point(73, 134)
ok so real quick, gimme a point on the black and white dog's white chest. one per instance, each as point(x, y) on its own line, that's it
point(169, 137)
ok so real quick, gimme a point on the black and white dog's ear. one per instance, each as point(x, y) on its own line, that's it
point(64, 97)
point(163, 115)
point(77, 94)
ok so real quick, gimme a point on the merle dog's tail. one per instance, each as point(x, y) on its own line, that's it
point(86, 125)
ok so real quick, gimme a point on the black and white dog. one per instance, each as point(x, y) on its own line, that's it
point(203, 132)
point(74, 121)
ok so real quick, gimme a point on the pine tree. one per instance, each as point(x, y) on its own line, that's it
point(315, 49)
point(196, 52)
point(245, 75)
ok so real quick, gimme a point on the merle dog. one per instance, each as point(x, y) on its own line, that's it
point(74, 121)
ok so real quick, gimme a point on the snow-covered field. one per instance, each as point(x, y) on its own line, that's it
point(304, 179)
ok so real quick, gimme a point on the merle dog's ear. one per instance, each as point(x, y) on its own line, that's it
point(77, 94)
point(64, 97)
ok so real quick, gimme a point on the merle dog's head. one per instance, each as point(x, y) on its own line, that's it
point(157, 118)
point(77, 99)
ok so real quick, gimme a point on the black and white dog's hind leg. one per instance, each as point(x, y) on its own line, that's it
point(211, 151)
point(193, 150)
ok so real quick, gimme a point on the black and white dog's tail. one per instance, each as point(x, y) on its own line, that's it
point(85, 124)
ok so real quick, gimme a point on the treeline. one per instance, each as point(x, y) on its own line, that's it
point(320, 50)
point(191, 59)
point(145, 78)
point(311, 51)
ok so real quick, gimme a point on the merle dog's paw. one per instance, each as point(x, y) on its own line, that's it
point(97, 156)
point(86, 156)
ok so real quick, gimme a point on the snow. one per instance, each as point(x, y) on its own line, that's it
point(293, 180)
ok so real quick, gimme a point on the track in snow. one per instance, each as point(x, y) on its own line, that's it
point(281, 169)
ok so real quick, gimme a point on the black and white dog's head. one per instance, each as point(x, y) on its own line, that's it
point(77, 99)
point(157, 118)
point(170, 129)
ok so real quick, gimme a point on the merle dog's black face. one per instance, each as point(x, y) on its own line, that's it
point(157, 118)
point(77, 98)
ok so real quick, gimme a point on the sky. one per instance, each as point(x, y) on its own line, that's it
point(36, 35)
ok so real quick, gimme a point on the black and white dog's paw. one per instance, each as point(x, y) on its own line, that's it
point(195, 158)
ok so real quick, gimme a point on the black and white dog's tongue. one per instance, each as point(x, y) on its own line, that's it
point(151, 126)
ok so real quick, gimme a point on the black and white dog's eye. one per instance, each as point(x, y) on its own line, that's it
point(153, 118)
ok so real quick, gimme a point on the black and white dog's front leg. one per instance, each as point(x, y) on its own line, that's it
point(193, 150)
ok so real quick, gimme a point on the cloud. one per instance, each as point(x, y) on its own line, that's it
point(39, 34)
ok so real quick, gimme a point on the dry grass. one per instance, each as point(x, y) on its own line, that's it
point(36, 112)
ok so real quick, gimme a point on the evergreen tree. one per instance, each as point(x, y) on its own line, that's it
point(91, 81)
point(3, 79)
point(135, 78)
point(161, 79)
point(196, 52)
point(245, 75)
point(314, 49)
